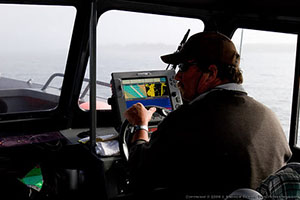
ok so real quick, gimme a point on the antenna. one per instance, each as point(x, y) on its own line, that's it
point(186, 35)
point(183, 40)
point(241, 42)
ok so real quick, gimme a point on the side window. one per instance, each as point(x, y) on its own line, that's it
point(34, 42)
point(128, 41)
point(268, 63)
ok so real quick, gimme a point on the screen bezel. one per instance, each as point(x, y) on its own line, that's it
point(118, 93)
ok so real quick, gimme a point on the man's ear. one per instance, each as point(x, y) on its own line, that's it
point(208, 79)
point(212, 73)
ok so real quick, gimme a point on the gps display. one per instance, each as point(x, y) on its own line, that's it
point(151, 88)
point(148, 91)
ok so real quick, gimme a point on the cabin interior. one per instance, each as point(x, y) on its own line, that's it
point(81, 43)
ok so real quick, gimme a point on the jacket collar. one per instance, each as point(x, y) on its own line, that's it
point(227, 86)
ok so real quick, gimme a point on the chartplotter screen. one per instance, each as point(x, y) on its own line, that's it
point(148, 91)
point(151, 88)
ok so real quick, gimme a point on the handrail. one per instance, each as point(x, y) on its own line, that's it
point(50, 80)
point(86, 89)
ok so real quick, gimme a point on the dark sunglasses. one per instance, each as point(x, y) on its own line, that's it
point(183, 67)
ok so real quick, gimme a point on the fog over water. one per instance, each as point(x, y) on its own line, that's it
point(35, 43)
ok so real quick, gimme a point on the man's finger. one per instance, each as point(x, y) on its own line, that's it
point(152, 109)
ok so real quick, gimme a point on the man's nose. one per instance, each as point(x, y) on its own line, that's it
point(178, 76)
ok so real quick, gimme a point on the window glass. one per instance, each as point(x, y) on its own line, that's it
point(268, 62)
point(34, 42)
point(128, 41)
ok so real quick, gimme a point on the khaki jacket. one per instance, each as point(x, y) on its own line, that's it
point(219, 143)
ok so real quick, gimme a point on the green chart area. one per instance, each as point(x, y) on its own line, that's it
point(134, 91)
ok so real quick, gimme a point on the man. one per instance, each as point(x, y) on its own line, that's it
point(219, 140)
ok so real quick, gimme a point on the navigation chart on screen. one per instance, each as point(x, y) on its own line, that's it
point(144, 88)
point(149, 91)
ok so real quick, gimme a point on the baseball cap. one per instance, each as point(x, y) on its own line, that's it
point(207, 47)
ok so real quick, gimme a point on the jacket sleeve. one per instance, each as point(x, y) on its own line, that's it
point(148, 160)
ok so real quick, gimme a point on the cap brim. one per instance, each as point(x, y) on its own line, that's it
point(174, 58)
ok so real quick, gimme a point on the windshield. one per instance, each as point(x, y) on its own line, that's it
point(128, 41)
point(35, 42)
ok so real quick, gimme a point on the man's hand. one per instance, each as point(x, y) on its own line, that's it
point(139, 115)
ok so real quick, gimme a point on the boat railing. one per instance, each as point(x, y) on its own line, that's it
point(50, 79)
point(84, 91)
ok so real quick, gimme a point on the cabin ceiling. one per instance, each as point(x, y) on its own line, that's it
point(222, 15)
point(289, 8)
point(284, 8)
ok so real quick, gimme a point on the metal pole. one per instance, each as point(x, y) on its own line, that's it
point(241, 42)
point(93, 73)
